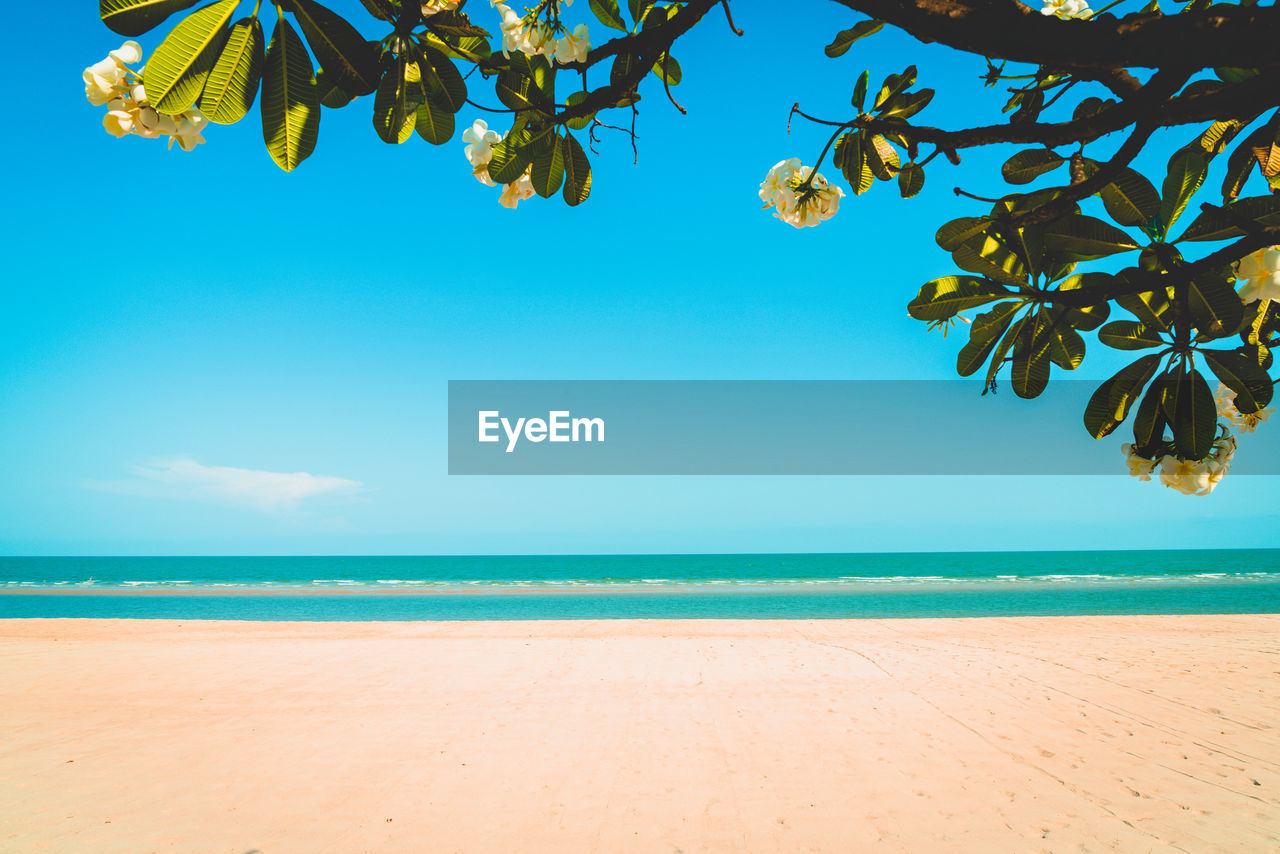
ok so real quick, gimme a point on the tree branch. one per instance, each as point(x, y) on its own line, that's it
point(647, 46)
point(1231, 36)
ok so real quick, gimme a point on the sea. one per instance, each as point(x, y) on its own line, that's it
point(575, 587)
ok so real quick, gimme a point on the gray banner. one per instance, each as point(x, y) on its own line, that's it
point(788, 427)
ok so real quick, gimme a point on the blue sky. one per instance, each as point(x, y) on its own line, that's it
point(178, 327)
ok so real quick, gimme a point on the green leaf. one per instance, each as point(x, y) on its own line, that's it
point(1149, 421)
point(1025, 166)
point(1109, 405)
point(548, 168)
point(573, 100)
point(624, 66)
point(609, 14)
point(859, 101)
point(399, 95)
point(135, 17)
point(882, 159)
point(907, 104)
point(1215, 306)
point(1187, 169)
point(910, 180)
point(1085, 238)
point(511, 157)
point(383, 10)
point(954, 234)
point(290, 99)
point(1129, 335)
point(845, 38)
point(339, 48)
point(1066, 346)
point(668, 70)
point(992, 258)
point(1210, 225)
point(1030, 371)
point(1250, 382)
point(1131, 199)
point(454, 24)
point(943, 298)
point(233, 82)
point(433, 122)
point(331, 95)
point(444, 81)
point(853, 162)
point(986, 330)
point(1088, 317)
point(577, 172)
point(1196, 425)
point(175, 74)
point(639, 9)
point(1219, 135)
point(893, 85)
point(520, 92)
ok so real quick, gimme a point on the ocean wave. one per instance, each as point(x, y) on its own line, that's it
point(835, 583)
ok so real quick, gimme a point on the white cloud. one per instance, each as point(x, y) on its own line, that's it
point(266, 490)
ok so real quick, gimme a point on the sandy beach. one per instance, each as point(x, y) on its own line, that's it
point(1129, 734)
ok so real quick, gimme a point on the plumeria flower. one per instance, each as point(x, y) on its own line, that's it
point(1139, 466)
point(187, 132)
point(119, 119)
point(1260, 275)
point(432, 7)
point(102, 82)
point(517, 191)
point(1244, 422)
point(515, 35)
point(113, 83)
point(1066, 9)
point(781, 190)
point(129, 53)
point(1199, 477)
point(573, 47)
point(479, 150)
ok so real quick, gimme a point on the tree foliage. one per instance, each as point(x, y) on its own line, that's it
point(1149, 268)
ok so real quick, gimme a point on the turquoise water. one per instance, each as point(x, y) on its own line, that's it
point(670, 586)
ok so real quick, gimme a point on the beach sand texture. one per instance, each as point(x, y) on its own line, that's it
point(1062, 734)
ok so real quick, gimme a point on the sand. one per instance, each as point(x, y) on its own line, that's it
point(1129, 734)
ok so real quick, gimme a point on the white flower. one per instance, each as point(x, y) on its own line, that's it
point(516, 192)
point(103, 82)
point(1139, 466)
point(431, 7)
point(1260, 273)
point(128, 53)
point(119, 120)
point(796, 207)
point(1067, 9)
point(514, 34)
point(573, 47)
point(113, 83)
point(1199, 477)
point(187, 130)
point(479, 149)
point(1225, 399)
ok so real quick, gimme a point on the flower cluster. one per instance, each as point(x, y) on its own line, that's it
point(113, 83)
point(1067, 9)
point(530, 35)
point(431, 7)
point(1190, 477)
point(479, 151)
point(1243, 422)
point(1260, 275)
point(784, 189)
